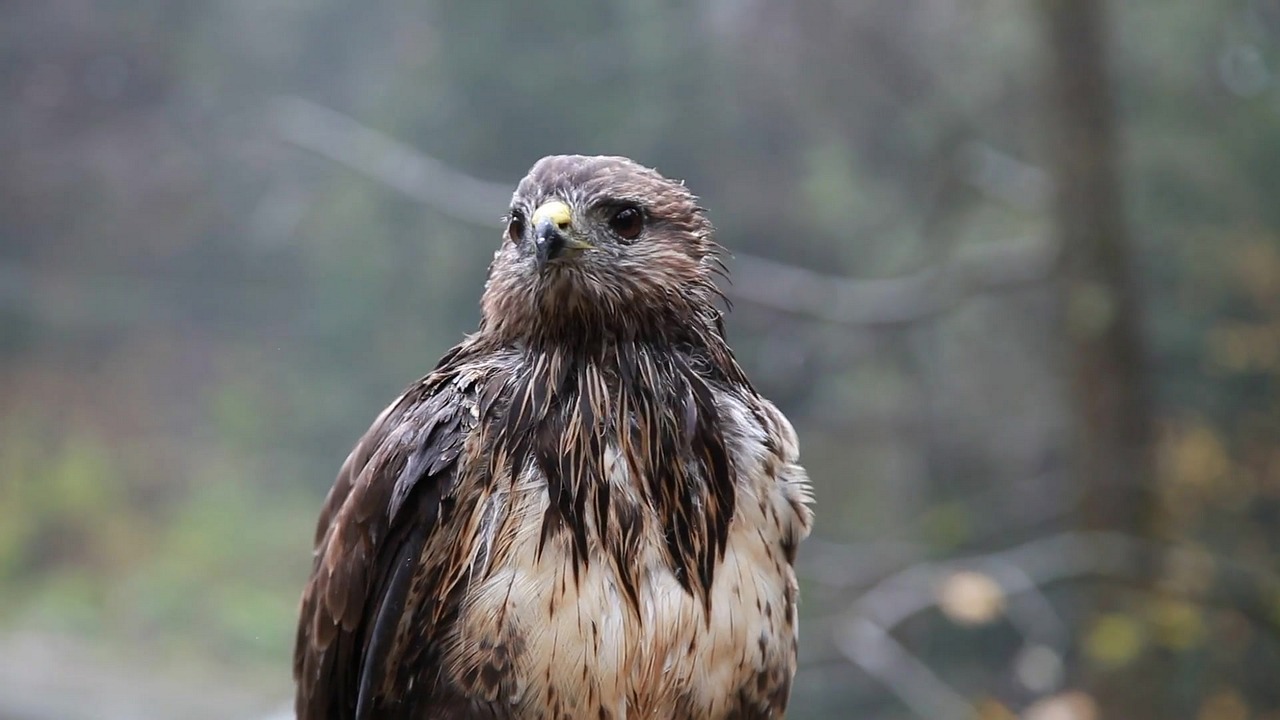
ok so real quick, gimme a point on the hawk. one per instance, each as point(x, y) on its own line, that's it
point(585, 510)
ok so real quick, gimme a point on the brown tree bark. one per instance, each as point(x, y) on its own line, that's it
point(1113, 454)
point(1103, 319)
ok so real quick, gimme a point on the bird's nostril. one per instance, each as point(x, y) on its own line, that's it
point(549, 242)
point(549, 228)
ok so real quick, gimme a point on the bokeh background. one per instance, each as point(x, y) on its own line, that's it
point(1012, 267)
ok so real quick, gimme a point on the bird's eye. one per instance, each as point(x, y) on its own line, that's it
point(515, 226)
point(627, 222)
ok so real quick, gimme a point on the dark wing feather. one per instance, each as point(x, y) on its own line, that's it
point(372, 530)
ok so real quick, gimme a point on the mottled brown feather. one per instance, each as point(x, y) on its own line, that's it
point(595, 439)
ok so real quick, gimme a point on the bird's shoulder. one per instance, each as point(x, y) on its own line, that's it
point(384, 503)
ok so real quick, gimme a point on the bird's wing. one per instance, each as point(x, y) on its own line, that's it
point(383, 506)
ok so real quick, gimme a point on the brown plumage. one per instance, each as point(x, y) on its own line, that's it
point(585, 510)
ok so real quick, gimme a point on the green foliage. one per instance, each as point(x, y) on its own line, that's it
point(197, 320)
point(80, 554)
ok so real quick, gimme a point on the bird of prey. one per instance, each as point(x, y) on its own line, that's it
point(585, 510)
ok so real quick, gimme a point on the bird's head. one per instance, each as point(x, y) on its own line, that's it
point(600, 246)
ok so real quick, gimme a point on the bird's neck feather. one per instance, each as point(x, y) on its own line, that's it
point(654, 401)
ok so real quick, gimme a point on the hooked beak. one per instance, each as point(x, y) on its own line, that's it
point(553, 234)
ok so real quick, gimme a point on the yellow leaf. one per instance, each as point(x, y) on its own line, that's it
point(970, 598)
point(1073, 705)
point(1224, 705)
point(1115, 639)
point(992, 709)
point(1257, 266)
point(1197, 457)
point(1176, 624)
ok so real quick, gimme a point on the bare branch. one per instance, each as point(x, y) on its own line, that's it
point(345, 140)
point(893, 301)
point(1030, 567)
point(854, 566)
point(791, 289)
point(862, 634)
point(1005, 177)
point(1017, 570)
point(872, 648)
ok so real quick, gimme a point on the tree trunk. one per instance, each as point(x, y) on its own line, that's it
point(1113, 454)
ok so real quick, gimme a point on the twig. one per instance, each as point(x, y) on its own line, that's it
point(791, 289)
point(1017, 570)
point(872, 648)
point(893, 301)
point(345, 140)
point(862, 633)
point(1067, 556)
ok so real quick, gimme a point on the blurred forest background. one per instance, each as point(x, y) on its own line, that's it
point(1011, 267)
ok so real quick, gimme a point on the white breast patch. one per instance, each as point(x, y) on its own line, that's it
point(580, 647)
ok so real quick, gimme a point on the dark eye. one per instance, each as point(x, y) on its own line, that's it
point(627, 222)
point(515, 226)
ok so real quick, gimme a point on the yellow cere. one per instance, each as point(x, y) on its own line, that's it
point(555, 211)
